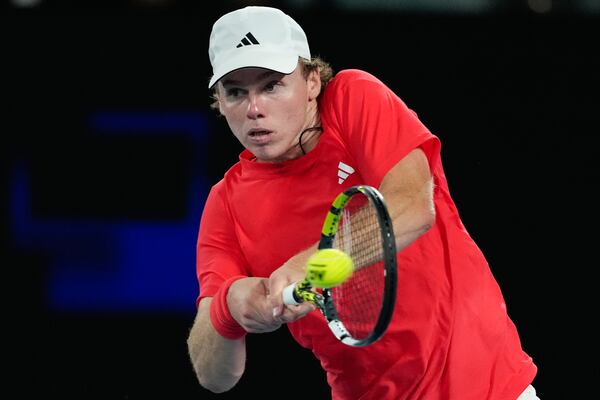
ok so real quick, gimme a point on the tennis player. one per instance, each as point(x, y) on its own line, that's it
point(308, 135)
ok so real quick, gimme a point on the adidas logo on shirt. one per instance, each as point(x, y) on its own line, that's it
point(344, 171)
point(248, 40)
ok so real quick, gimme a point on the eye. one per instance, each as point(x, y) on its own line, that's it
point(269, 87)
point(232, 92)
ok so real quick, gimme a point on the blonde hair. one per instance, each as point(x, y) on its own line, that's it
point(308, 66)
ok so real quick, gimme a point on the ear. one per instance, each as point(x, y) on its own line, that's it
point(314, 84)
point(217, 99)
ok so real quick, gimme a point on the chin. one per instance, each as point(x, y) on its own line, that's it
point(267, 155)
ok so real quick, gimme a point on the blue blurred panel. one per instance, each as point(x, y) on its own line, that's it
point(119, 265)
point(152, 269)
point(146, 123)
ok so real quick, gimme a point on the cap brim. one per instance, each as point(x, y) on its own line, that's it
point(275, 61)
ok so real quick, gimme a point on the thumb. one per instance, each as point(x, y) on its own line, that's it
point(276, 286)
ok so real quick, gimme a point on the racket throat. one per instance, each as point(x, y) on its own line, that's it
point(327, 307)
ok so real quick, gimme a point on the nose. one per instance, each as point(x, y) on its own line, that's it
point(254, 106)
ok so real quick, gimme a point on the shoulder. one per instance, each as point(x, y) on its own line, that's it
point(231, 175)
point(354, 77)
point(348, 75)
point(233, 172)
point(354, 84)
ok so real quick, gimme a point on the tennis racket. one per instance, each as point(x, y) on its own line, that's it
point(359, 309)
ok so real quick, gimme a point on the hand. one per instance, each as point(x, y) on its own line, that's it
point(249, 305)
point(292, 271)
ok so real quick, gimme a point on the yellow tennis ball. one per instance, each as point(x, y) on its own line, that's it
point(329, 267)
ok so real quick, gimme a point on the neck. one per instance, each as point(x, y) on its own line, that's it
point(309, 136)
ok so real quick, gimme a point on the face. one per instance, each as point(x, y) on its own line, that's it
point(267, 110)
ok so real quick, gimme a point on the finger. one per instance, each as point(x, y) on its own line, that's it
point(276, 286)
point(278, 311)
point(275, 299)
point(293, 313)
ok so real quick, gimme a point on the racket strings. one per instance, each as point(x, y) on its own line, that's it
point(358, 300)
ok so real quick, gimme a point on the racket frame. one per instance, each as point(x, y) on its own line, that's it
point(302, 291)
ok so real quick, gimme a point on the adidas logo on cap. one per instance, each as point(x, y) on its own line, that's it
point(248, 40)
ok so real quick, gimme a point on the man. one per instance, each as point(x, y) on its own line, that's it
point(450, 337)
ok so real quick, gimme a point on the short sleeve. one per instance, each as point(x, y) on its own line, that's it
point(377, 126)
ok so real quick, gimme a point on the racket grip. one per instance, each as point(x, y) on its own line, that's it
point(289, 295)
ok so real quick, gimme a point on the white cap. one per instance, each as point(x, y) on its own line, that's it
point(262, 37)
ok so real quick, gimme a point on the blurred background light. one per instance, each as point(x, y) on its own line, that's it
point(25, 3)
point(438, 6)
point(540, 6)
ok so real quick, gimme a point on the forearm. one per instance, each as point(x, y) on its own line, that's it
point(408, 190)
point(218, 362)
point(411, 218)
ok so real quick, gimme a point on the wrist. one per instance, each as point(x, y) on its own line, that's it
point(220, 315)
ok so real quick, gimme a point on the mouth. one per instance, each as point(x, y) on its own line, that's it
point(260, 136)
point(258, 132)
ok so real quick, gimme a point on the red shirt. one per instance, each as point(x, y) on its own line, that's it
point(450, 337)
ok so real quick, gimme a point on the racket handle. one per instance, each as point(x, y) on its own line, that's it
point(289, 295)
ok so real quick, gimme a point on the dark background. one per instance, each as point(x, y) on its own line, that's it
point(111, 147)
